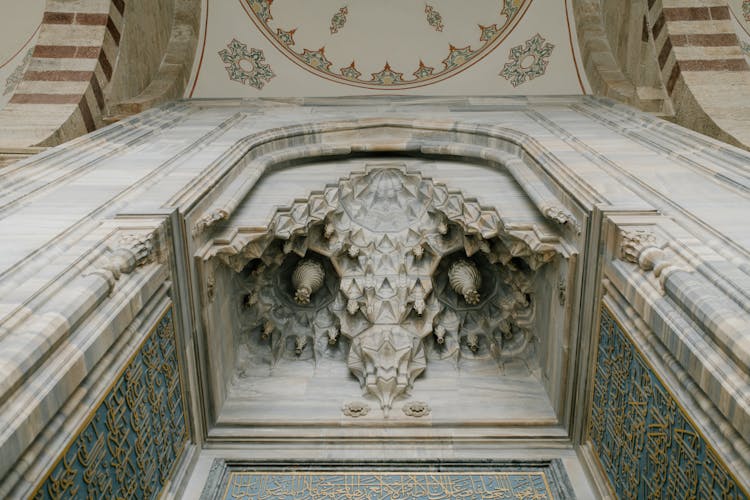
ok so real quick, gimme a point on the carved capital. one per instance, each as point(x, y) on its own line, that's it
point(132, 251)
point(633, 242)
point(139, 246)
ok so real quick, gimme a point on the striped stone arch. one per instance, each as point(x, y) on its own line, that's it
point(695, 43)
point(703, 78)
point(63, 93)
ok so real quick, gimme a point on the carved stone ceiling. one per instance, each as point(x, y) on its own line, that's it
point(384, 273)
point(331, 47)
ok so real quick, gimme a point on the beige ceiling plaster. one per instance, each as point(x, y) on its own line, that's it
point(374, 33)
point(19, 26)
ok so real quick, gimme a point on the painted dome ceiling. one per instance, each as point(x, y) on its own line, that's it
point(337, 47)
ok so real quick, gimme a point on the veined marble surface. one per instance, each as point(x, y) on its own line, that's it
point(579, 172)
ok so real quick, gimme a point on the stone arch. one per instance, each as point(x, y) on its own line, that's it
point(529, 163)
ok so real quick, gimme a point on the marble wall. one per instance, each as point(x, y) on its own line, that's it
point(105, 232)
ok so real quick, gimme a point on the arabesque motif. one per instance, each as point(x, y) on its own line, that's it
point(434, 18)
point(527, 61)
point(256, 73)
point(338, 20)
point(17, 75)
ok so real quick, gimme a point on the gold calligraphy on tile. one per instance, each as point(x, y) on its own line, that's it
point(135, 435)
point(646, 444)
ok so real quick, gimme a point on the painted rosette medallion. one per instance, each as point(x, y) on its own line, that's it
point(373, 44)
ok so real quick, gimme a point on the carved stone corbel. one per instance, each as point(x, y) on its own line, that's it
point(209, 220)
point(563, 217)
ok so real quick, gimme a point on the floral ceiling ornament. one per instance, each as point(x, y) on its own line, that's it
point(246, 66)
point(351, 72)
point(510, 7)
point(374, 66)
point(434, 18)
point(338, 20)
point(387, 76)
point(286, 37)
point(527, 61)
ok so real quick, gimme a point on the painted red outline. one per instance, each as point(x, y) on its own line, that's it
point(437, 79)
point(203, 51)
point(26, 43)
point(741, 22)
point(572, 49)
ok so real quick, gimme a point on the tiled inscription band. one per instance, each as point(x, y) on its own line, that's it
point(507, 480)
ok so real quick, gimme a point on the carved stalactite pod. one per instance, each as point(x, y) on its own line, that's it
point(300, 342)
point(333, 336)
point(307, 279)
point(472, 342)
point(439, 333)
point(465, 280)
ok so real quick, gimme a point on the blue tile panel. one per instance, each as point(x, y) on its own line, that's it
point(387, 485)
point(646, 445)
point(137, 433)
